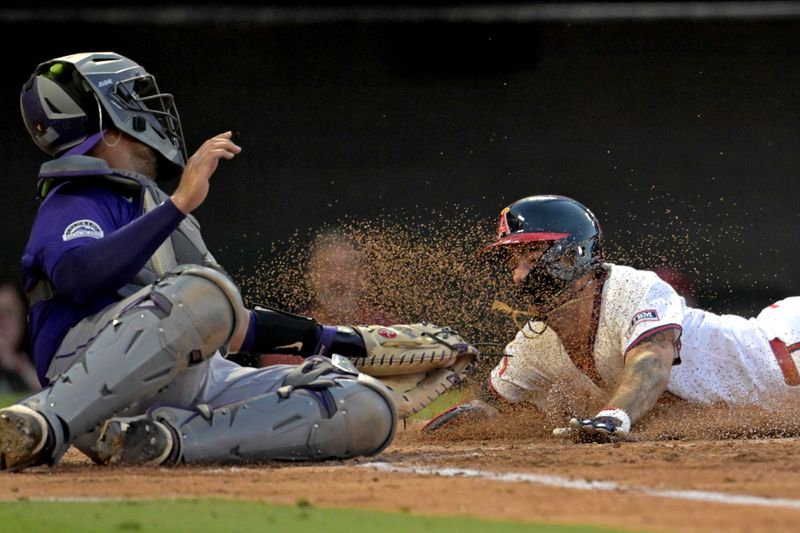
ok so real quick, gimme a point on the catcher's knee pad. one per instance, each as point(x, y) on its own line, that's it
point(176, 322)
point(332, 415)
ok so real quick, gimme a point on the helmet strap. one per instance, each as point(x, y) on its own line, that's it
point(102, 130)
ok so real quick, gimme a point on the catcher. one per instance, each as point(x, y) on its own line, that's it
point(131, 316)
point(611, 335)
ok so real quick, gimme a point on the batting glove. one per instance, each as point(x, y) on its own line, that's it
point(609, 425)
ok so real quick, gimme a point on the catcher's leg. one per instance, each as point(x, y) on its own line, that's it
point(320, 412)
point(179, 321)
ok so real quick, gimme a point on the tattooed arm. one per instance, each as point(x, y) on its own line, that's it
point(646, 373)
point(644, 378)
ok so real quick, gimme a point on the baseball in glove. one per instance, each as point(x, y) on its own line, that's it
point(417, 362)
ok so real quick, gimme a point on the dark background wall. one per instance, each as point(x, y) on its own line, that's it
point(681, 134)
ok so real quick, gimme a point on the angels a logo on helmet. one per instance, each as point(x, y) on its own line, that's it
point(503, 229)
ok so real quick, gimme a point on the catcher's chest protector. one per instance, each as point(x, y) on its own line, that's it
point(185, 245)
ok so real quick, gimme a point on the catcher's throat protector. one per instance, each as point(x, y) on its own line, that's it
point(321, 411)
point(574, 240)
point(67, 100)
point(181, 320)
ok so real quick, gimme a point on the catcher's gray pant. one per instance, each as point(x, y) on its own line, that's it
point(317, 410)
point(158, 347)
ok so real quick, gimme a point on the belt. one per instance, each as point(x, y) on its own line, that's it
point(783, 354)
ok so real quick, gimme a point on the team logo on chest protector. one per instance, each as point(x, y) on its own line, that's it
point(82, 228)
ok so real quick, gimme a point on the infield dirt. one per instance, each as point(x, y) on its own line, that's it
point(680, 449)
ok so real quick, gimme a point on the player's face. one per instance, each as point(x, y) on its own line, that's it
point(144, 160)
point(123, 151)
point(522, 259)
point(337, 277)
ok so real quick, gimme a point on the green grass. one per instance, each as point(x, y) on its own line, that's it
point(442, 403)
point(8, 398)
point(208, 516)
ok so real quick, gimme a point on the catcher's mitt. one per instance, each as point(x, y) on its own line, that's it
point(418, 362)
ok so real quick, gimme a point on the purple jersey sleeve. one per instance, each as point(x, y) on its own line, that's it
point(91, 241)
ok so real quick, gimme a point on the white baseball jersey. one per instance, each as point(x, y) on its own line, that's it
point(723, 358)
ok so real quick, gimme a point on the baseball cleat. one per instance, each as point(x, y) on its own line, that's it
point(23, 435)
point(134, 441)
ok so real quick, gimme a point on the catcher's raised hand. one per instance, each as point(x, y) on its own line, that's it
point(609, 425)
point(194, 183)
point(417, 362)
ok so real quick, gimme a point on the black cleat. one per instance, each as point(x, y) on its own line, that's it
point(23, 435)
point(134, 441)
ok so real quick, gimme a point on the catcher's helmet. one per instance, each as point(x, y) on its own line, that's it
point(68, 100)
point(575, 243)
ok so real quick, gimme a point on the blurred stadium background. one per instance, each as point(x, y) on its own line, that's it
point(676, 122)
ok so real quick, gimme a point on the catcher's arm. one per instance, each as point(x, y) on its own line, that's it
point(417, 362)
point(644, 378)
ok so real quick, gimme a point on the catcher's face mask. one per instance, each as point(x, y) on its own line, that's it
point(70, 98)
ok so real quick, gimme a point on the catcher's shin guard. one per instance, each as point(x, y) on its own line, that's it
point(179, 321)
point(320, 413)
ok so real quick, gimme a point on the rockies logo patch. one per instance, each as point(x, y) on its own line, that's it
point(82, 228)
